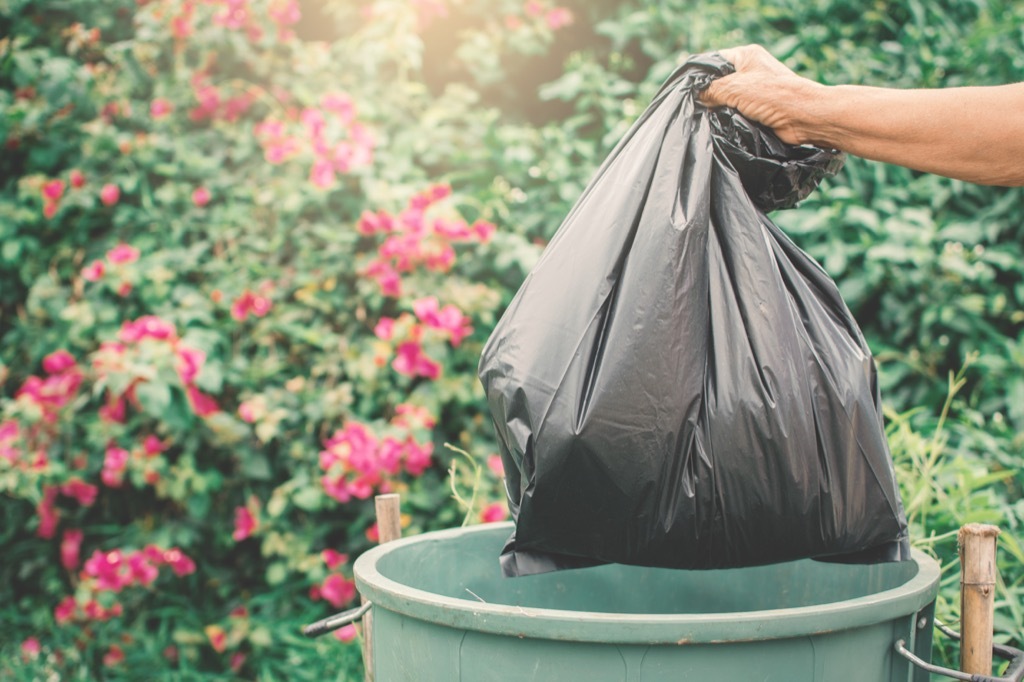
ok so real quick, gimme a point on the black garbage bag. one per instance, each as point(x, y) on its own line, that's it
point(676, 384)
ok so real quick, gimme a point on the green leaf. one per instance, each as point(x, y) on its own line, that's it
point(309, 498)
point(277, 573)
point(154, 397)
point(254, 465)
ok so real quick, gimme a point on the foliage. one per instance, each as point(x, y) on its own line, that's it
point(247, 265)
point(239, 296)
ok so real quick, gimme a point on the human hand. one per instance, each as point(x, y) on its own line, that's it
point(765, 90)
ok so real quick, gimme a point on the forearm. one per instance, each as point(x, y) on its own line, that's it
point(974, 133)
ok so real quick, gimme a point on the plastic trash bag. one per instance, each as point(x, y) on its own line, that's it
point(676, 384)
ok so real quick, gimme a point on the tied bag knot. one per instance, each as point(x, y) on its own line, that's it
point(774, 174)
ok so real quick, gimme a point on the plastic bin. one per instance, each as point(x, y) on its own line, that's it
point(442, 611)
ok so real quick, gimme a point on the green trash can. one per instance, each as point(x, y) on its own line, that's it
point(443, 612)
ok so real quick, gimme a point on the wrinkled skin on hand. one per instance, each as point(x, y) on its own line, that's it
point(759, 89)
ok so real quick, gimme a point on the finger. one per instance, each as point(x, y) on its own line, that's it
point(714, 94)
point(731, 54)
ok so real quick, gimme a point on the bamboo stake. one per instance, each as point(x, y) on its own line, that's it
point(389, 517)
point(389, 527)
point(977, 543)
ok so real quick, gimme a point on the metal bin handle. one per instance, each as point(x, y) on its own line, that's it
point(1013, 673)
point(336, 621)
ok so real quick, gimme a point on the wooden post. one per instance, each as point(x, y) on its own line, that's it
point(389, 517)
point(977, 543)
point(389, 527)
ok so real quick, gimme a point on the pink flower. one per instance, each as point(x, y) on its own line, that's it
point(58, 361)
point(70, 544)
point(93, 271)
point(455, 230)
point(52, 393)
point(140, 570)
point(76, 178)
point(65, 610)
point(114, 656)
point(412, 416)
point(218, 638)
point(341, 105)
point(387, 277)
point(483, 230)
point(236, 106)
point(160, 107)
point(333, 558)
point(94, 611)
point(284, 12)
point(313, 120)
point(429, 196)
point(337, 590)
point(346, 633)
point(181, 564)
point(322, 174)
point(80, 491)
point(53, 190)
point(202, 404)
point(384, 329)
point(496, 511)
point(48, 513)
point(336, 487)
point(123, 253)
point(449, 319)
point(190, 362)
point(245, 524)
point(30, 648)
point(496, 466)
point(110, 194)
point(181, 25)
point(237, 661)
point(411, 361)
point(105, 567)
point(9, 432)
point(209, 103)
point(557, 18)
point(417, 457)
point(50, 209)
point(113, 411)
point(247, 411)
point(533, 8)
point(281, 150)
point(249, 302)
point(372, 223)
point(114, 464)
point(153, 446)
point(200, 196)
point(147, 327)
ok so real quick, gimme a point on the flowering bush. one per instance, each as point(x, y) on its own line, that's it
point(235, 307)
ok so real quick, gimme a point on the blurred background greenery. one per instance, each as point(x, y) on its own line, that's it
point(250, 251)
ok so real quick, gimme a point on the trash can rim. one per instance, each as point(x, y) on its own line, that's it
point(589, 626)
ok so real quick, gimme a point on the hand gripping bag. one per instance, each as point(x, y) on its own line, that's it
point(676, 384)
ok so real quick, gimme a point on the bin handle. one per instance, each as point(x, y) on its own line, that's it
point(1013, 673)
point(338, 620)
